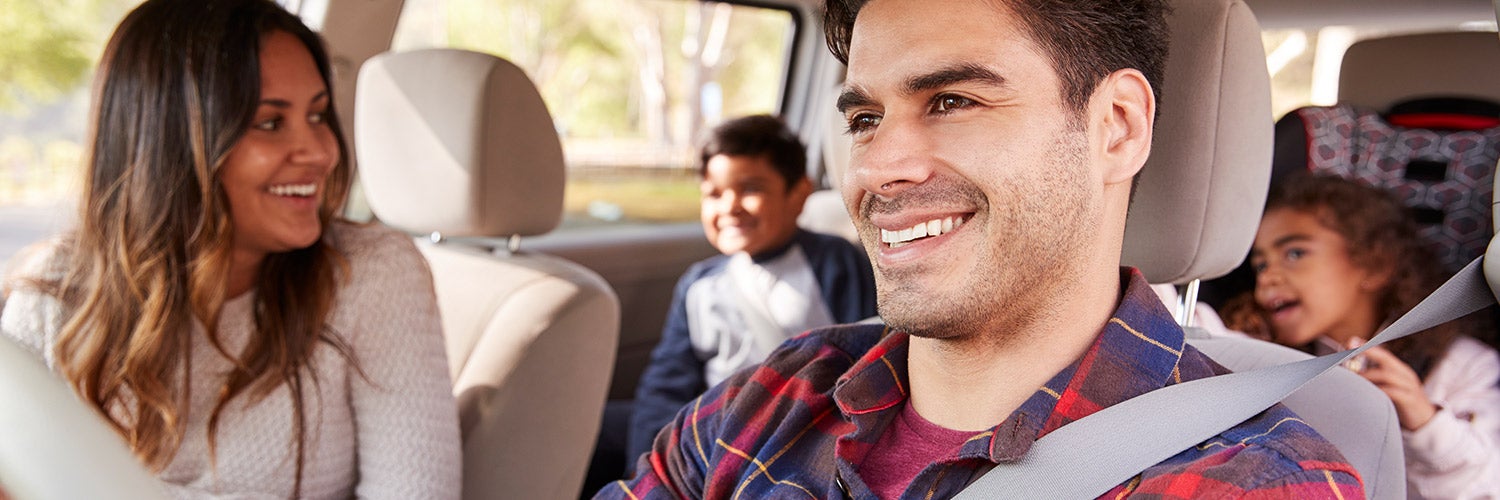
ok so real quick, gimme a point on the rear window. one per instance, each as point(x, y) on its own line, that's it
point(1304, 63)
point(631, 85)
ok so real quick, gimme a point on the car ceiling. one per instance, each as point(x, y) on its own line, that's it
point(1393, 13)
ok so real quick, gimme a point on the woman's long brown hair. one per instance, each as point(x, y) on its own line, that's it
point(177, 87)
point(1380, 235)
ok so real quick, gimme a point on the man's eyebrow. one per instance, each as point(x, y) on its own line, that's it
point(958, 73)
point(853, 97)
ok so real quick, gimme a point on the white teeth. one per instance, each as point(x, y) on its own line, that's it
point(935, 227)
point(294, 189)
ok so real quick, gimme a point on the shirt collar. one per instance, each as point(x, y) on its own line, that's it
point(776, 252)
point(1137, 352)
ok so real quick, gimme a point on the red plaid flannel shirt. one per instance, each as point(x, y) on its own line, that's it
point(799, 425)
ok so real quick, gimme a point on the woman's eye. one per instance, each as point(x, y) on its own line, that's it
point(862, 122)
point(320, 117)
point(270, 125)
point(948, 102)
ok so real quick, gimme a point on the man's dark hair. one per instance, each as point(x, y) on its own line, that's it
point(1087, 40)
point(758, 136)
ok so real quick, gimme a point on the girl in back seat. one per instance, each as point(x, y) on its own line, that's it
point(1335, 262)
point(243, 340)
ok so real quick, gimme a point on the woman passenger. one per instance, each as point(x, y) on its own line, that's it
point(244, 340)
point(1335, 262)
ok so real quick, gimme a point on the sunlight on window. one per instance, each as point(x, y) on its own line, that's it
point(51, 49)
point(631, 84)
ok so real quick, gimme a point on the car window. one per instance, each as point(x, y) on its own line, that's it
point(1304, 63)
point(47, 60)
point(631, 84)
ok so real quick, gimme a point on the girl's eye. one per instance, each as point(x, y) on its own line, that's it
point(862, 122)
point(1295, 254)
point(948, 102)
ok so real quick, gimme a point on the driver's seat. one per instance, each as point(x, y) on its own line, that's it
point(1199, 202)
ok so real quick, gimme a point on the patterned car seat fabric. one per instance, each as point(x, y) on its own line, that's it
point(1436, 156)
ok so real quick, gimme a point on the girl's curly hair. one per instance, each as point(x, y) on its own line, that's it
point(1380, 235)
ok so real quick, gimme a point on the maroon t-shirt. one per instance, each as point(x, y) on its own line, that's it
point(909, 444)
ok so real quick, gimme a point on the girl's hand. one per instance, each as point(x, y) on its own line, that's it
point(1401, 384)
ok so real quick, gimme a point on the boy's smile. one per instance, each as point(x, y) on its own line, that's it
point(747, 206)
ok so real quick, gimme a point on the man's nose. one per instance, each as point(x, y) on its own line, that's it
point(896, 156)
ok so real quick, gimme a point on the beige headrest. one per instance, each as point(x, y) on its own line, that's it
point(1379, 72)
point(1202, 190)
point(457, 142)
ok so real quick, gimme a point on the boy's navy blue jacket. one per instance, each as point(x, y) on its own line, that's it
point(676, 375)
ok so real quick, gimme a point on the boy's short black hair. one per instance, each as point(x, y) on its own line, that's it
point(758, 135)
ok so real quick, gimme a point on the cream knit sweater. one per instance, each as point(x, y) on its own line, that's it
point(393, 435)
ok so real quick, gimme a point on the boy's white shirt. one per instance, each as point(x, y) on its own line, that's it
point(737, 317)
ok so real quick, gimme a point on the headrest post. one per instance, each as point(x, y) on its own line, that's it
point(514, 245)
point(435, 237)
point(1188, 304)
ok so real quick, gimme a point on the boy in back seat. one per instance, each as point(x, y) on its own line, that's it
point(773, 281)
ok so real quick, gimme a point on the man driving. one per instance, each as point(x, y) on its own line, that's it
point(995, 143)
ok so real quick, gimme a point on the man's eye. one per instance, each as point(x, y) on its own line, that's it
point(949, 102)
point(862, 122)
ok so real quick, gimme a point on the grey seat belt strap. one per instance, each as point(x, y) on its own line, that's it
point(1087, 458)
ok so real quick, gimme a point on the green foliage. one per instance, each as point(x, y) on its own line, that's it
point(50, 46)
point(617, 69)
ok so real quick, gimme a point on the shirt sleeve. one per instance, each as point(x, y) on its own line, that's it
point(672, 378)
point(180, 491)
point(29, 317)
point(1457, 453)
point(674, 467)
point(406, 420)
point(1307, 484)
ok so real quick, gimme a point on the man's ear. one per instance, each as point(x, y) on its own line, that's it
point(1127, 109)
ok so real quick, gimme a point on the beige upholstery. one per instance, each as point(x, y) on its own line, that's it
point(1379, 72)
point(466, 129)
point(1201, 192)
point(52, 446)
point(824, 210)
point(1492, 253)
point(1199, 203)
point(1345, 408)
point(460, 143)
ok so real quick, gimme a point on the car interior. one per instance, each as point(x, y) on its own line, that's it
point(545, 324)
point(519, 324)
